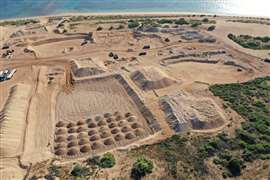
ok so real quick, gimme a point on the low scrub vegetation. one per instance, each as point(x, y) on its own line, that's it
point(19, 22)
point(251, 42)
point(141, 167)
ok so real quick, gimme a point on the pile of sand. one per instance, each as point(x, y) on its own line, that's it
point(184, 111)
point(152, 78)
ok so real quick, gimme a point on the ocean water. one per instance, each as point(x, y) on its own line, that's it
point(25, 8)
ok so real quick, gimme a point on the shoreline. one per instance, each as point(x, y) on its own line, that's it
point(157, 14)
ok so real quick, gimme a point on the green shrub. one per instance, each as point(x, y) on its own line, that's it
point(181, 21)
point(211, 28)
point(133, 24)
point(142, 167)
point(107, 161)
point(165, 21)
point(79, 171)
point(234, 166)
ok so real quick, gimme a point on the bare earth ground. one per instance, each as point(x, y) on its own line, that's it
point(56, 95)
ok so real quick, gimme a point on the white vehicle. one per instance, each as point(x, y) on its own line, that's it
point(11, 73)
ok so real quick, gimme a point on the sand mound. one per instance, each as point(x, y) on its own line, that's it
point(151, 78)
point(89, 120)
point(86, 67)
point(132, 119)
point(82, 135)
point(115, 131)
point(92, 125)
point(130, 136)
point(122, 123)
point(102, 123)
point(94, 138)
point(81, 122)
point(73, 152)
point(92, 132)
point(105, 134)
point(61, 131)
point(72, 130)
point(85, 149)
point(60, 139)
point(61, 152)
point(126, 129)
point(60, 146)
point(119, 137)
point(71, 138)
point(109, 142)
point(139, 132)
point(96, 145)
point(83, 141)
point(183, 111)
point(109, 120)
point(60, 124)
point(98, 118)
point(72, 144)
point(112, 125)
point(70, 125)
point(81, 129)
point(107, 115)
point(119, 117)
point(135, 125)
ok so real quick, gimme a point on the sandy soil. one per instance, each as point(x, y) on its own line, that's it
point(56, 95)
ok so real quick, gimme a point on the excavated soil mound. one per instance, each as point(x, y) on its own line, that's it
point(81, 122)
point(94, 138)
point(60, 139)
point(186, 111)
point(115, 131)
point(130, 136)
point(61, 152)
point(73, 152)
point(70, 125)
point(108, 142)
point(71, 138)
point(105, 134)
point(72, 130)
point(60, 146)
point(92, 132)
point(135, 126)
point(61, 131)
point(60, 124)
point(85, 149)
point(85, 67)
point(119, 137)
point(92, 125)
point(84, 141)
point(96, 145)
point(82, 135)
point(102, 123)
point(81, 129)
point(72, 144)
point(112, 125)
point(126, 129)
point(151, 78)
point(139, 132)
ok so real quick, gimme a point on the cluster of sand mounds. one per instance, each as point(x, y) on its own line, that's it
point(13, 121)
point(86, 67)
point(185, 111)
point(97, 133)
point(150, 78)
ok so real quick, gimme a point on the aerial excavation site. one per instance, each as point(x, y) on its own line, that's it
point(85, 96)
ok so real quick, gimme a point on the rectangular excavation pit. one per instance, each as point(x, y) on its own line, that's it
point(87, 117)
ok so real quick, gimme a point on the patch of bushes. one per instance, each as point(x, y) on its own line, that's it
point(181, 21)
point(106, 161)
point(141, 167)
point(80, 171)
point(211, 28)
point(133, 24)
point(251, 42)
point(19, 22)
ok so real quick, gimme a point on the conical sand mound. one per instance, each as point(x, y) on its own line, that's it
point(81, 122)
point(60, 146)
point(60, 139)
point(112, 125)
point(109, 120)
point(83, 141)
point(135, 125)
point(61, 131)
point(82, 135)
point(70, 125)
point(132, 119)
point(108, 142)
point(81, 129)
point(92, 132)
point(119, 137)
point(94, 138)
point(107, 115)
point(151, 78)
point(72, 130)
point(71, 138)
point(130, 136)
point(102, 123)
point(139, 132)
point(61, 152)
point(72, 144)
point(105, 134)
point(89, 120)
point(92, 125)
point(60, 124)
point(85, 149)
point(126, 129)
point(96, 145)
point(115, 131)
point(73, 152)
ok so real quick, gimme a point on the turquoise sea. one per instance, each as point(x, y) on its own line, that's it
point(25, 8)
